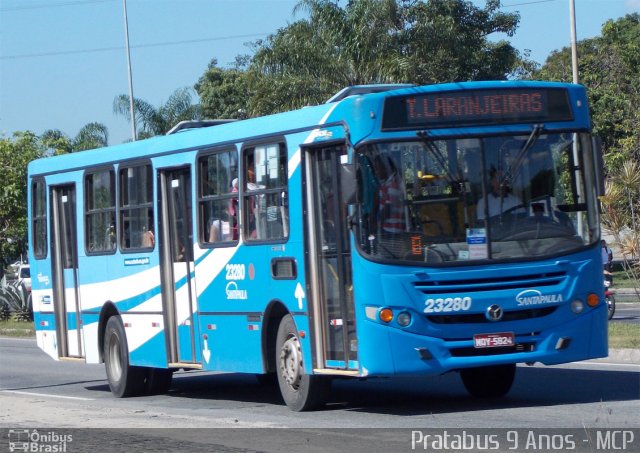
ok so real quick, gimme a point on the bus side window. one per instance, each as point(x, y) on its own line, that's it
point(265, 201)
point(100, 211)
point(39, 218)
point(218, 197)
point(136, 207)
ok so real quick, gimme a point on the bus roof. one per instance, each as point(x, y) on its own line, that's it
point(283, 123)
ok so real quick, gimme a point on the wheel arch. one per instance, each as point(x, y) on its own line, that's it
point(276, 310)
point(108, 310)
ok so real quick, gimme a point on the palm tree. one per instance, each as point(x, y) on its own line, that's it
point(151, 121)
point(91, 136)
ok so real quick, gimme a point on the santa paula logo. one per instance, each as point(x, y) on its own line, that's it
point(535, 297)
point(234, 293)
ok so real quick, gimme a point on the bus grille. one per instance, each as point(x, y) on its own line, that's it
point(490, 284)
point(474, 352)
point(479, 318)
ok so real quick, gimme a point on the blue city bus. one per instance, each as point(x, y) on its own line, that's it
point(395, 230)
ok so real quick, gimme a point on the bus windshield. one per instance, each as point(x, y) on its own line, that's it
point(476, 198)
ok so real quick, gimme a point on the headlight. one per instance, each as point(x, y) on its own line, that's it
point(577, 306)
point(404, 319)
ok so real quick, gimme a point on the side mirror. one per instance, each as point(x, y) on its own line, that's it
point(598, 162)
point(348, 184)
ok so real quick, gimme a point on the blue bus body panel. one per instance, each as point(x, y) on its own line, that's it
point(451, 344)
point(229, 318)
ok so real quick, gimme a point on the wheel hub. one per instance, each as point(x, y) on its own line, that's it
point(114, 356)
point(291, 362)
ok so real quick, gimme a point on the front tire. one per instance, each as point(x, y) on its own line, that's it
point(611, 306)
point(124, 380)
point(488, 381)
point(300, 391)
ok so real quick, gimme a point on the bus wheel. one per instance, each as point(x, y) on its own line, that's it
point(158, 381)
point(488, 381)
point(124, 379)
point(300, 391)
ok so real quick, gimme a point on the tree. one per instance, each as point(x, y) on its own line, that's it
point(224, 91)
point(91, 136)
point(378, 41)
point(621, 216)
point(447, 41)
point(151, 121)
point(15, 153)
point(609, 66)
point(366, 41)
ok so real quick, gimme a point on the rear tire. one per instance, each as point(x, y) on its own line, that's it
point(300, 391)
point(488, 381)
point(124, 380)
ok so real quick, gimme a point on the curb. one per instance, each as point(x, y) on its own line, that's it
point(623, 355)
point(17, 332)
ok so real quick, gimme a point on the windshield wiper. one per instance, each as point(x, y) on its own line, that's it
point(514, 169)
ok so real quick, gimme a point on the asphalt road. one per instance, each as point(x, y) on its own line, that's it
point(36, 391)
point(627, 312)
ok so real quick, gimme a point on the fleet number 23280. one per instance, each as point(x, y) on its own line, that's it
point(447, 305)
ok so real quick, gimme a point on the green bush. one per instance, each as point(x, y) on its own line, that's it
point(16, 300)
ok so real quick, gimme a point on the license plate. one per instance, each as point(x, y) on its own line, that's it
point(493, 340)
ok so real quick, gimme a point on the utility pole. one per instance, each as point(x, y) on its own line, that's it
point(574, 44)
point(126, 39)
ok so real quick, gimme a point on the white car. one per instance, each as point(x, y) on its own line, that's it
point(24, 276)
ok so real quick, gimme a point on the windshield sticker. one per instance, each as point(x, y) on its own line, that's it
point(477, 243)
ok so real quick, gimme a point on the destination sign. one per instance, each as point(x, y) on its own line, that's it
point(465, 108)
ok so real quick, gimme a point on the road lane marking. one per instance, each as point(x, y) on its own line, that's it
point(47, 395)
point(585, 364)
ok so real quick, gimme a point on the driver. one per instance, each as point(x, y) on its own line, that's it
point(500, 199)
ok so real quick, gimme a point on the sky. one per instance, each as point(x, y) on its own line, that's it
point(62, 62)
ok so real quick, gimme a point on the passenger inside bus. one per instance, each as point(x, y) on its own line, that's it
point(256, 202)
point(223, 226)
point(233, 209)
point(391, 209)
point(148, 239)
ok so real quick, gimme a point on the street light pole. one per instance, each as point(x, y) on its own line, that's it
point(574, 45)
point(574, 68)
point(126, 39)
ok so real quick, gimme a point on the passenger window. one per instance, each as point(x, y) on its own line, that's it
point(218, 197)
point(39, 219)
point(265, 200)
point(100, 212)
point(136, 208)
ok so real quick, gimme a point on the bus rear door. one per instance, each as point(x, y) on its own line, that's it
point(329, 260)
point(176, 258)
point(64, 249)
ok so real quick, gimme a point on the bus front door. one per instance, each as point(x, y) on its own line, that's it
point(329, 260)
point(177, 266)
point(64, 250)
